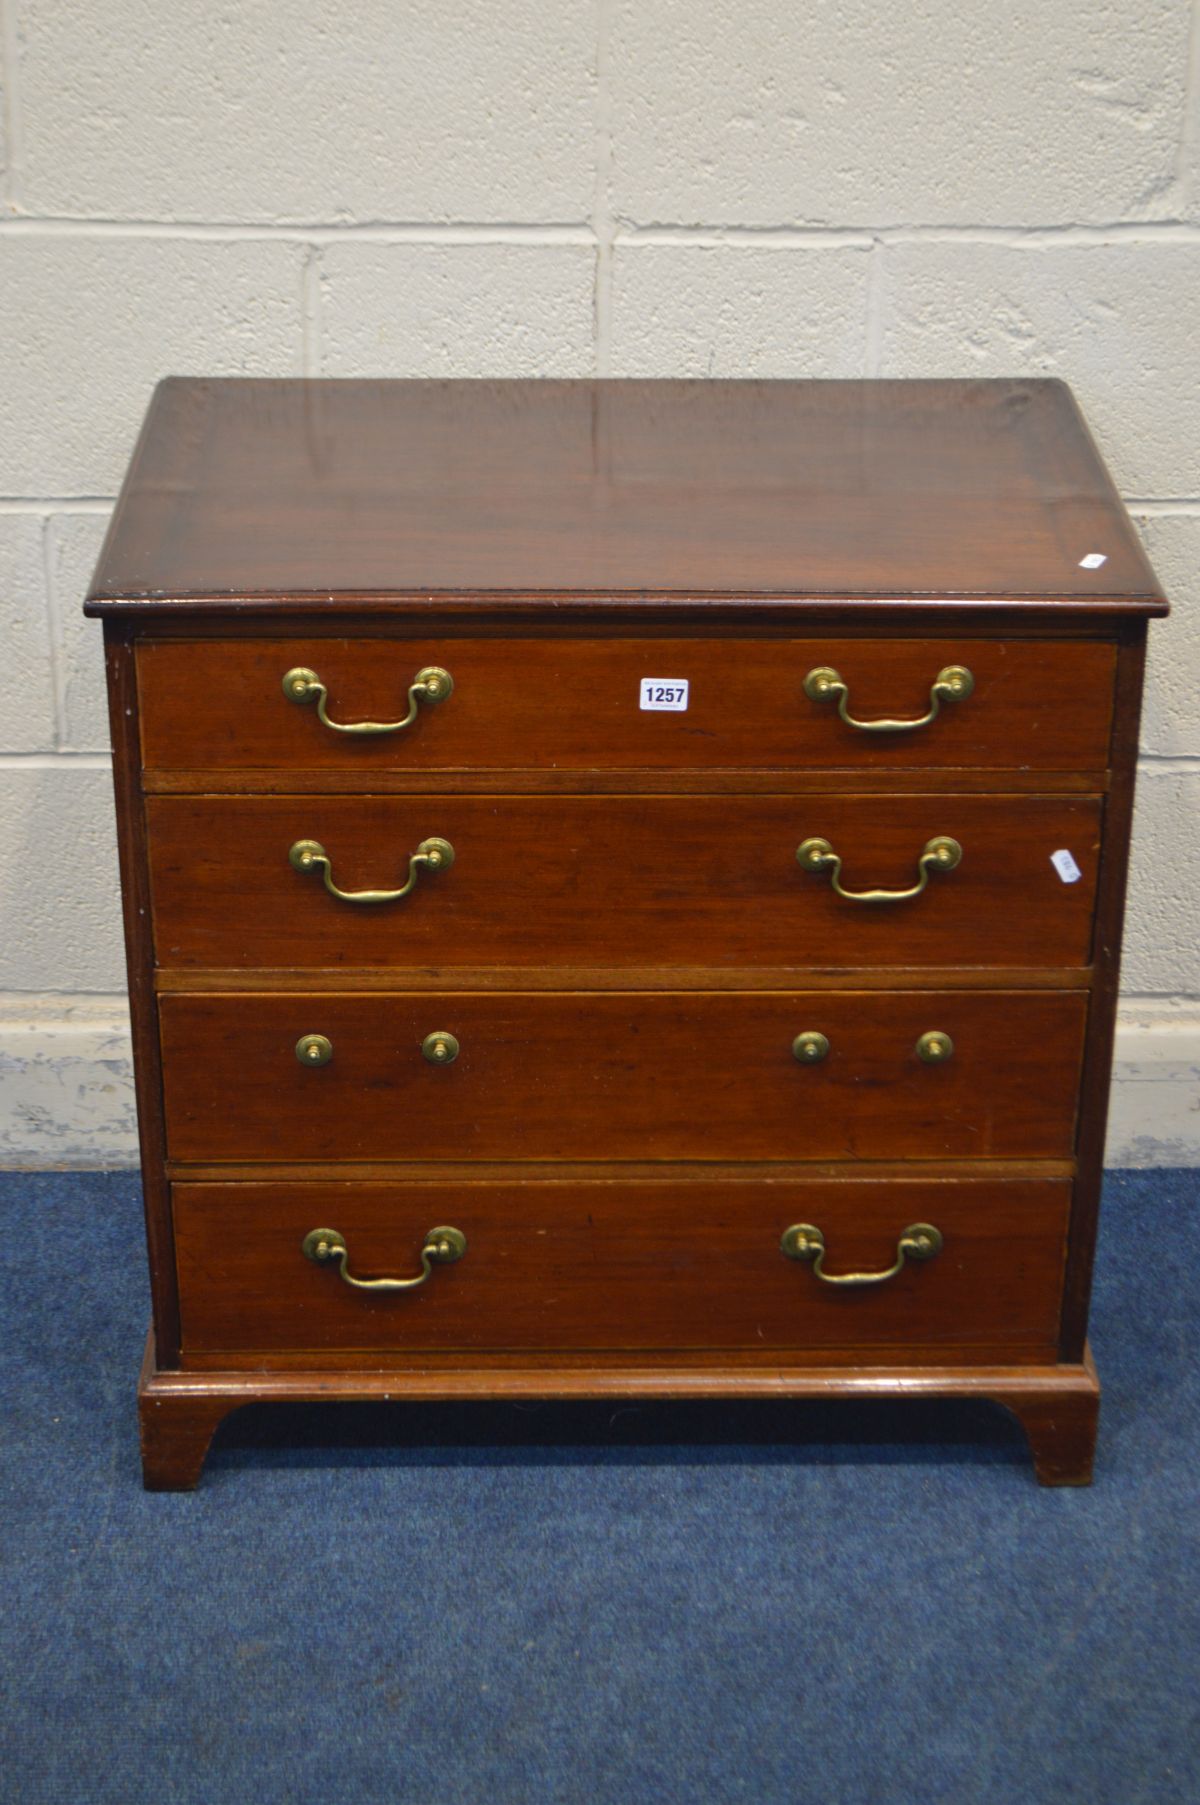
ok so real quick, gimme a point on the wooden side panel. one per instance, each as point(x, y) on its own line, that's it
point(603, 1077)
point(139, 958)
point(1098, 1056)
point(572, 703)
point(620, 881)
point(637, 1266)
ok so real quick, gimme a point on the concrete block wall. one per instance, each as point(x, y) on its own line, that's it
point(641, 187)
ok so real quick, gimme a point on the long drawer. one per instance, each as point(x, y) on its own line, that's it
point(575, 703)
point(646, 1265)
point(825, 1075)
point(604, 881)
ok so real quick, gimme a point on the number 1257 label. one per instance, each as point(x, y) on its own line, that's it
point(663, 692)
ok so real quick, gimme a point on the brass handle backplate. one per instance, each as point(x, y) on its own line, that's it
point(431, 684)
point(442, 1246)
point(920, 1241)
point(440, 1048)
point(811, 1047)
point(953, 684)
point(935, 1048)
point(940, 854)
point(314, 1049)
point(431, 855)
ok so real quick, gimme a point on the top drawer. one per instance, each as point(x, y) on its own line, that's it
point(581, 703)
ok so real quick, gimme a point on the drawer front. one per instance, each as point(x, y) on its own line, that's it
point(647, 1265)
point(578, 704)
point(623, 1077)
point(621, 881)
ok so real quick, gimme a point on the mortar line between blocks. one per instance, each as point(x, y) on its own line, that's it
point(14, 123)
point(1188, 149)
point(56, 504)
point(58, 682)
point(874, 346)
point(55, 761)
point(624, 232)
point(603, 221)
point(1168, 764)
point(310, 312)
point(1136, 999)
point(805, 237)
point(303, 232)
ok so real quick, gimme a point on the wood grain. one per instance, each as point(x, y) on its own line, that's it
point(186, 981)
point(578, 1266)
point(584, 1076)
point(303, 780)
point(625, 945)
point(1056, 1405)
point(851, 489)
point(616, 881)
point(143, 1006)
point(685, 1172)
point(566, 703)
point(1102, 1016)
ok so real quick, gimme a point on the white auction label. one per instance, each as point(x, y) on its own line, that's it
point(1066, 867)
point(663, 693)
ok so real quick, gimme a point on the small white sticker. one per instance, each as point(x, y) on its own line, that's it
point(659, 693)
point(1066, 867)
point(1093, 561)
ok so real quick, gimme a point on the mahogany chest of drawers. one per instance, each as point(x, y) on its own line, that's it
point(623, 887)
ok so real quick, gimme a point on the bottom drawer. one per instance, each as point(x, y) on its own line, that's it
point(657, 1264)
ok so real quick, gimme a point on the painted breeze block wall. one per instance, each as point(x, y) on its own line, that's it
point(629, 187)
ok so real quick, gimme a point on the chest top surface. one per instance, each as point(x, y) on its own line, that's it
point(315, 493)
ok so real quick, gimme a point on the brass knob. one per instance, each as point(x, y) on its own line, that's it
point(810, 1048)
point(314, 1049)
point(935, 1048)
point(440, 1048)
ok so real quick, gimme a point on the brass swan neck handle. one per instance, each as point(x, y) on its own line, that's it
point(431, 684)
point(441, 1247)
point(431, 855)
point(952, 684)
point(940, 854)
point(920, 1241)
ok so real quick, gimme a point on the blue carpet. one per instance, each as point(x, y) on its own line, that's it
point(551, 1605)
